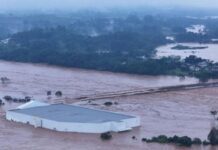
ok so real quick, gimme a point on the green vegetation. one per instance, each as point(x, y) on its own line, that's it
point(58, 94)
point(17, 100)
point(106, 136)
point(181, 141)
point(4, 80)
point(124, 43)
point(160, 139)
point(197, 141)
point(108, 103)
point(117, 52)
point(1, 102)
point(213, 136)
point(49, 93)
point(183, 47)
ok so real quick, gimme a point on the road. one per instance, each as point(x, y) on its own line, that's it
point(147, 91)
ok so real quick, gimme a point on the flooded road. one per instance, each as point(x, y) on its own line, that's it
point(180, 112)
point(211, 52)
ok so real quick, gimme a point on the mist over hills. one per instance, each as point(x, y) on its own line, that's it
point(71, 5)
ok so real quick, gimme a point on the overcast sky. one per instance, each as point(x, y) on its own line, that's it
point(72, 4)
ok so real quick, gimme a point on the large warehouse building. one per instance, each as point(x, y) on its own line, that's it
point(71, 118)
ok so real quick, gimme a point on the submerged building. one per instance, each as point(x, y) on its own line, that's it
point(71, 118)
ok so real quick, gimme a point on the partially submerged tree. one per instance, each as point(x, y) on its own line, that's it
point(213, 135)
point(8, 98)
point(1, 102)
point(48, 93)
point(106, 136)
point(58, 93)
point(4, 80)
point(213, 112)
point(197, 141)
point(108, 103)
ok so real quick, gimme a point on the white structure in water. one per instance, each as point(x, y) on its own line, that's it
point(71, 118)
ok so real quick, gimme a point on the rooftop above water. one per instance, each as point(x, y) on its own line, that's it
point(72, 113)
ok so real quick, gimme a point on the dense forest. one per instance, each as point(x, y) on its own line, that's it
point(123, 43)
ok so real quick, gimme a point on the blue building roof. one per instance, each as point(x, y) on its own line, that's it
point(72, 113)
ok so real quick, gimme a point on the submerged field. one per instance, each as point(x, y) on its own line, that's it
point(204, 51)
point(181, 112)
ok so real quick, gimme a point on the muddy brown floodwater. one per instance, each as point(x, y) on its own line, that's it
point(180, 113)
point(35, 80)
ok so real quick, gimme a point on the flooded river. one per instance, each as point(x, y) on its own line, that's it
point(180, 113)
point(35, 80)
point(211, 52)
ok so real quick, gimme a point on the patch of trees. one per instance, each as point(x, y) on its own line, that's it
point(184, 47)
point(58, 93)
point(4, 80)
point(120, 44)
point(108, 103)
point(17, 100)
point(49, 93)
point(187, 141)
point(213, 135)
point(180, 141)
point(106, 136)
point(1, 102)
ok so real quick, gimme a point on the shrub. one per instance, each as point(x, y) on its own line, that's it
point(1, 102)
point(8, 98)
point(108, 103)
point(58, 93)
point(184, 141)
point(149, 141)
point(144, 140)
point(4, 80)
point(170, 140)
point(162, 139)
point(173, 139)
point(27, 98)
point(116, 103)
point(197, 141)
point(106, 136)
point(21, 100)
point(213, 136)
point(15, 100)
point(206, 142)
point(48, 93)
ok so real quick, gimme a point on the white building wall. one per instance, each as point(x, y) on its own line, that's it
point(124, 125)
point(32, 104)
